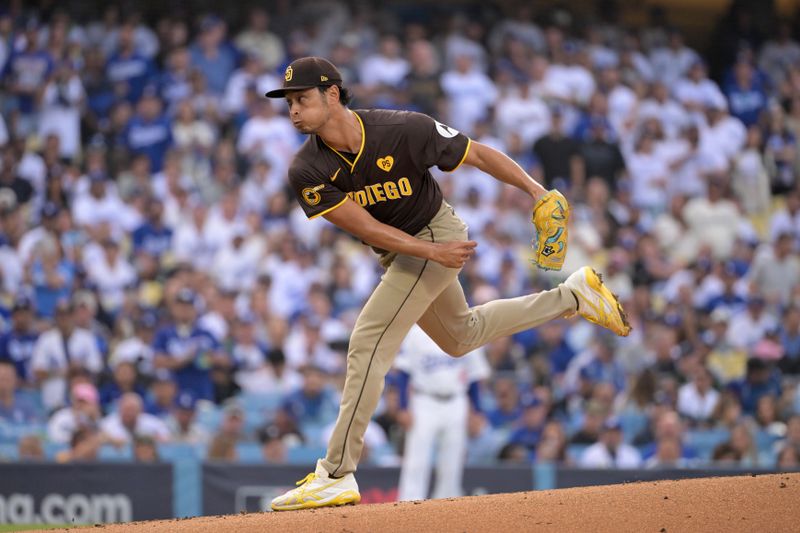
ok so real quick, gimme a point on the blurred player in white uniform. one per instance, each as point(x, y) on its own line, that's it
point(438, 390)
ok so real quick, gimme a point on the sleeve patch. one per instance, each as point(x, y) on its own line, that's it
point(445, 131)
point(311, 195)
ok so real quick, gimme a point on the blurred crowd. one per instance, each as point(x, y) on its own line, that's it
point(159, 285)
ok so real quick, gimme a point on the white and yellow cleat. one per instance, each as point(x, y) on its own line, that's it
point(318, 489)
point(596, 303)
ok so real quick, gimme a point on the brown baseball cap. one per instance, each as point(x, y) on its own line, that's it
point(305, 73)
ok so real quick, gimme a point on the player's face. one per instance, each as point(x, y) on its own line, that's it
point(308, 109)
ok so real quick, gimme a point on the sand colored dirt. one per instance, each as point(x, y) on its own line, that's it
point(763, 503)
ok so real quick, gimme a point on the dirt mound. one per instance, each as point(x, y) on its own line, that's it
point(762, 503)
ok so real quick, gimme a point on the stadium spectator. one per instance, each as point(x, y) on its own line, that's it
point(99, 209)
point(129, 422)
point(111, 273)
point(254, 373)
point(725, 454)
point(182, 422)
point(26, 71)
point(124, 379)
point(470, 93)
point(15, 409)
point(62, 352)
point(137, 349)
point(145, 450)
point(186, 349)
point(314, 404)
point(780, 152)
point(589, 430)
point(149, 131)
point(789, 334)
point(174, 83)
point(698, 399)
point(212, 55)
point(222, 448)
point(746, 95)
point(82, 413)
point(84, 446)
point(667, 455)
point(776, 271)
point(507, 397)
point(673, 59)
point(153, 237)
point(258, 40)
point(16, 345)
point(761, 380)
point(273, 448)
point(743, 444)
point(669, 427)
point(552, 446)
point(599, 365)
point(788, 458)
point(559, 154)
point(163, 393)
point(533, 418)
point(128, 69)
point(29, 448)
point(233, 423)
point(421, 84)
point(792, 438)
point(61, 103)
point(610, 451)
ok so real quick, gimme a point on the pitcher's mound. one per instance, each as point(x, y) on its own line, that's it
point(763, 503)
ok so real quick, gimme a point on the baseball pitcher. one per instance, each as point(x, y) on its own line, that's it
point(367, 172)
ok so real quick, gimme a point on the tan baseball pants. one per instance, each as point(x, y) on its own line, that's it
point(415, 290)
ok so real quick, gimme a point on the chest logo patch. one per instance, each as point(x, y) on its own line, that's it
point(311, 196)
point(385, 163)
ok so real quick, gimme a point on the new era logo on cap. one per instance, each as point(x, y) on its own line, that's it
point(306, 73)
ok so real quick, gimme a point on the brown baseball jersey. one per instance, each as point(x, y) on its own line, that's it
point(389, 176)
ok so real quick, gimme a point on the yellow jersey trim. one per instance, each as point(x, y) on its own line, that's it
point(360, 150)
point(329, 209)
point(469, 143)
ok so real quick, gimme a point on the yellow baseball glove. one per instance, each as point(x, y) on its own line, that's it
point(550, 216)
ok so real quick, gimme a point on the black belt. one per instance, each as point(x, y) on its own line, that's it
point(436, 396)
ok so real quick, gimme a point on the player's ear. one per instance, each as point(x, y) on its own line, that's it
point(332, 94)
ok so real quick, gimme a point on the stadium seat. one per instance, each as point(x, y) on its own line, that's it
point(11, 433)
point(175, 451)
point(52, 448)
point(304, 455)
point(249, 452)
point(764, 441)
point(258, 408)
point(267, 402)
point(574, 451)
point(110, 453)
point(8, 453)
point(209, 417)
point(633, 423)
point(704, 441)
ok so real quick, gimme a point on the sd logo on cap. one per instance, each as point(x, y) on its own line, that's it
point(306, 73)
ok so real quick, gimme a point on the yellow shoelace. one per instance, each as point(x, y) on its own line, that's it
point(308, 479)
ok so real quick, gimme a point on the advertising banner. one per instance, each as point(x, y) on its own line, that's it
point(92, 493)
point(236, 488)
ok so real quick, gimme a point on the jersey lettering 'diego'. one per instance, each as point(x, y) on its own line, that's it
point(381, 192)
